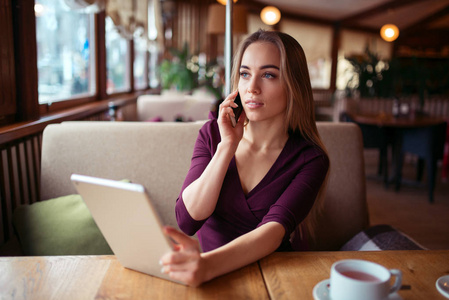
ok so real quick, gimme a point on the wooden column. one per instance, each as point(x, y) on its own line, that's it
point(336, 37)
point(100, 20)
point(25, 54)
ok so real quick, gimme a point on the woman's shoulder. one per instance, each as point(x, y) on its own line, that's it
point(210, 130)
point(211, 124)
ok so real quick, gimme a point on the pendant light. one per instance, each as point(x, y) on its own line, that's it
point(223, 2)
point(270, 15)
point(389, 32)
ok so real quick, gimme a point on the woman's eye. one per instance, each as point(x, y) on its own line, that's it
point(244, 74)
point(268, 75)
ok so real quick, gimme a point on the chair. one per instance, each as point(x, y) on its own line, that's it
point(345, 211)
point(173, 106)
point(428, 144)
point(378, 138)
point(345, 221)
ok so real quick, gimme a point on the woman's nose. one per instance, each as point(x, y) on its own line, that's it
point(253, 87)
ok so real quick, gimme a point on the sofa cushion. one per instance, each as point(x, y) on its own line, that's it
point(60, 226)
point(381, 237)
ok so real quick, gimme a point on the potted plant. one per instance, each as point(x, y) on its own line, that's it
point(182, 73)
point(372, 77)
point(174, 73)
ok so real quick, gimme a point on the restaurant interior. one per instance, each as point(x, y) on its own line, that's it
point(119, 90)
point(381, 64)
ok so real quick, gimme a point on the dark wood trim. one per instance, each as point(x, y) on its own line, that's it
point(7, 67)
point(255, 7)
point(336, 37)
point(26, 60)
point(380, 9)
point(132, 56)
point(421, 25)
point(100, 29)
point(22, 129)
point(47, 108)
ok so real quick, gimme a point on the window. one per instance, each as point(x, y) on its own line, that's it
point(140, 58)
point(117, 60)
point(65, 48)
point(152, 65)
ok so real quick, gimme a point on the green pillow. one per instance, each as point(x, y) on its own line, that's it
point(60, 226)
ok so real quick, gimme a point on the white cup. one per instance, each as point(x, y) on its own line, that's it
point(354, 279)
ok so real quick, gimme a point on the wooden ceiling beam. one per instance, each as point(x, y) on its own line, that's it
point(380, 9)
point(255, 7)
point(422, 24)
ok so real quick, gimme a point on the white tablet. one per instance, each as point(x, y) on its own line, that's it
point(129, 222)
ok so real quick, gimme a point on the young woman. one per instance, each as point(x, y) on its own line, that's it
point(250, 186)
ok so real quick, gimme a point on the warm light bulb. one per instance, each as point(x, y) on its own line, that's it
point(270, 15)
point(223, 2)
point(389, 32)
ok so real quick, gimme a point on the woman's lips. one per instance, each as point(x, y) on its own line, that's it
point(253, 104)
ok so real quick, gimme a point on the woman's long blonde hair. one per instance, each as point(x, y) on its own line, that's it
point(300, 112)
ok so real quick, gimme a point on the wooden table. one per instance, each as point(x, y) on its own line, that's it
point(294, 275)
point(102, 277)
point(386, 120)
point(411, 133)
point(278, 276)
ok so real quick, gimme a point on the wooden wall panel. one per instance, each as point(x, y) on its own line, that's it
point(7, 69)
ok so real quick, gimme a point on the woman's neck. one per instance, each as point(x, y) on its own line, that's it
point(265, 135)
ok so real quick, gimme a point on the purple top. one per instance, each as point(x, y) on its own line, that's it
point(285, 195)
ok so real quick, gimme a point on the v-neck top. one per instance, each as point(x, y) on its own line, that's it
point(285, 194)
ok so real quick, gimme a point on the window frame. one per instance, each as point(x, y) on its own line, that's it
point(23, 28)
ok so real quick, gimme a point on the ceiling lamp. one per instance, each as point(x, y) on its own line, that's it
point(389, 32)
point(270, 15)
point(223, 2)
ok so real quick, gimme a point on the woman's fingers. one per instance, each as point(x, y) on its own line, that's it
point(226, 108)
point(180, 257)
point(229, 101)
point(184, 241)
point(184, 262)
point(183, 267)
point(187, 277)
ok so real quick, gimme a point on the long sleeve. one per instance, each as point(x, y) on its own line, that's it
point(205, 147)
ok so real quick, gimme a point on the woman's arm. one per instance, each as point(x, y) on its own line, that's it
point(200, 197)
point(188, 265)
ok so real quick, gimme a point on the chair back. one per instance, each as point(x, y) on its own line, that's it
point(156, 155)
point(345, 210)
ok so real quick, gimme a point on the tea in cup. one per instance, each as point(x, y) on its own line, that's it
point(354, 279)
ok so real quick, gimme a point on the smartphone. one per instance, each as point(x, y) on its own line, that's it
point(237, 110)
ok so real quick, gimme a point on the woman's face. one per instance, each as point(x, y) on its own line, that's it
point(260, 87)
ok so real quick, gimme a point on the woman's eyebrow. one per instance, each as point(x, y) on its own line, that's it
point(262, 67)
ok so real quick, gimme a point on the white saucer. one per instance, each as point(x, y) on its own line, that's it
point(321, 291)
point(442, 285)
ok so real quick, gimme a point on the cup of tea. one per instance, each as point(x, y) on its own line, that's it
point(354, 279)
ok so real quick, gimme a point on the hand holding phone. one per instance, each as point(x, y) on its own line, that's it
point(237, 110)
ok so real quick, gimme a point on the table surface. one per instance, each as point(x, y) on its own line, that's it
point(290, 275)
point(387, 120)
point(103, 277)
point(294, 275)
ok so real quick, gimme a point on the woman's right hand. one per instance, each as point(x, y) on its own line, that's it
point(184, 263)
point(229, 134)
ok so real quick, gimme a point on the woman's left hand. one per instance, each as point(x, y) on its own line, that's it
point(184, 263)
